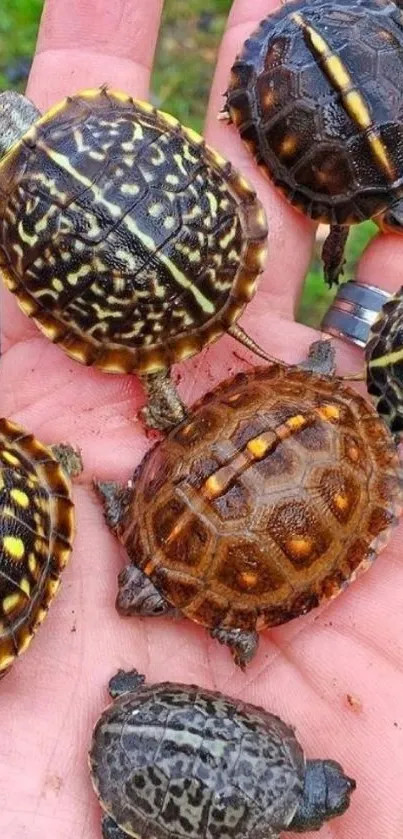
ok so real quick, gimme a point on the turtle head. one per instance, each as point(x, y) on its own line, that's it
point(17, 114)
point(326, 794)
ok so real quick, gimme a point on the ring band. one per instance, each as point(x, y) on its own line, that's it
point(353, 311)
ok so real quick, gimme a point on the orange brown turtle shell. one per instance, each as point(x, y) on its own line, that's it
point(36, 533)
point(316, 96)
point(130, 242)
point(280, 487)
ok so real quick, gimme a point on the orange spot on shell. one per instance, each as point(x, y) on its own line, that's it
point(329, 413)
point(174, 532)
point(341, 501)
point(301, 546)
point(296, 422)
point(248, 579)
point(353, 453)
point(212, 487)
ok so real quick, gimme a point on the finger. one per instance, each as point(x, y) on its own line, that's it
point(382, 263)
point(86, 44)
point(291, 235)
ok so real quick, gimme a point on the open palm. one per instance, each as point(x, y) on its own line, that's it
point(336, 675)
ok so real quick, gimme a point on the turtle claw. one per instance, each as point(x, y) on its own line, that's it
point(321, 358)
point(138, 595)
point(115, 497)
point(125, 681)
point(110, 830)
point(70, 459)
point(243, 644)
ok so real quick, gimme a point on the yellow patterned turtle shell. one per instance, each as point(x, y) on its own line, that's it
point(36, 534)
point(129, 241)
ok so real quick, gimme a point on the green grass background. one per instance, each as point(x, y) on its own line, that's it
point(186, 54)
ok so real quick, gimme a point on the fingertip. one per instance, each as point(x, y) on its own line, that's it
point(121, 29)
point(89, 44)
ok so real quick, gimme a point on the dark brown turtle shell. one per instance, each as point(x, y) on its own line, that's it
point(174, 761)
point(130, 242)
point(280, 487)
point(316, 96)
point(384, 362)
point(36, 534)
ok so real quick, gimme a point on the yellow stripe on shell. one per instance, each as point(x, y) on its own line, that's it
point(258, 447)
point(387, 359)
point(328, 412)
point(296, 422)
point(352, 99)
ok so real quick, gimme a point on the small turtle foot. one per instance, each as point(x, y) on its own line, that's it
point(125, 681)
point(70, 459)
point(139, 596)
point(333, 253)
point(165, 409)
point(242, 644)
point(115, 498)
point(110, 830)
point(17, 114)
point(321, 358)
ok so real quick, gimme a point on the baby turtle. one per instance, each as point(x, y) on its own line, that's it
point(36, 533)
point(317, 98)
point(280, 487)
point(377, 324)
point(171, 760)
point(130, 242)
point(384, 363)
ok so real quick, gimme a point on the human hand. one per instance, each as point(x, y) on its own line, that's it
point(303, 671)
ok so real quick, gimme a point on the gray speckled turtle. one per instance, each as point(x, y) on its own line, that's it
point(171, 761)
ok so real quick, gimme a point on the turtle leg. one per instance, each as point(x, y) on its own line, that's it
point(110, 830)
point(115, 499)
point(165, 409)
point(17, 114)
point(70, 459)
point(138, 595)
point(125, 681)
point(321, 358)
point(243, 644)
point(333, 253)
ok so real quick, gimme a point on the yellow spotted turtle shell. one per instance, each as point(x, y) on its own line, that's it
point(178, 762)
point(280, 487)
point(384, 362)
point(36, 533)
point(316, 95)
point(130, 242)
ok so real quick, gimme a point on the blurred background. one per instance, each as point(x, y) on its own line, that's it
point(186, 54)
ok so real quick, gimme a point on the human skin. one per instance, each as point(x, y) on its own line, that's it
point(336, 674)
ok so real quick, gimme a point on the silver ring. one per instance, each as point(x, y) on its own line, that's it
point(353, 311)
